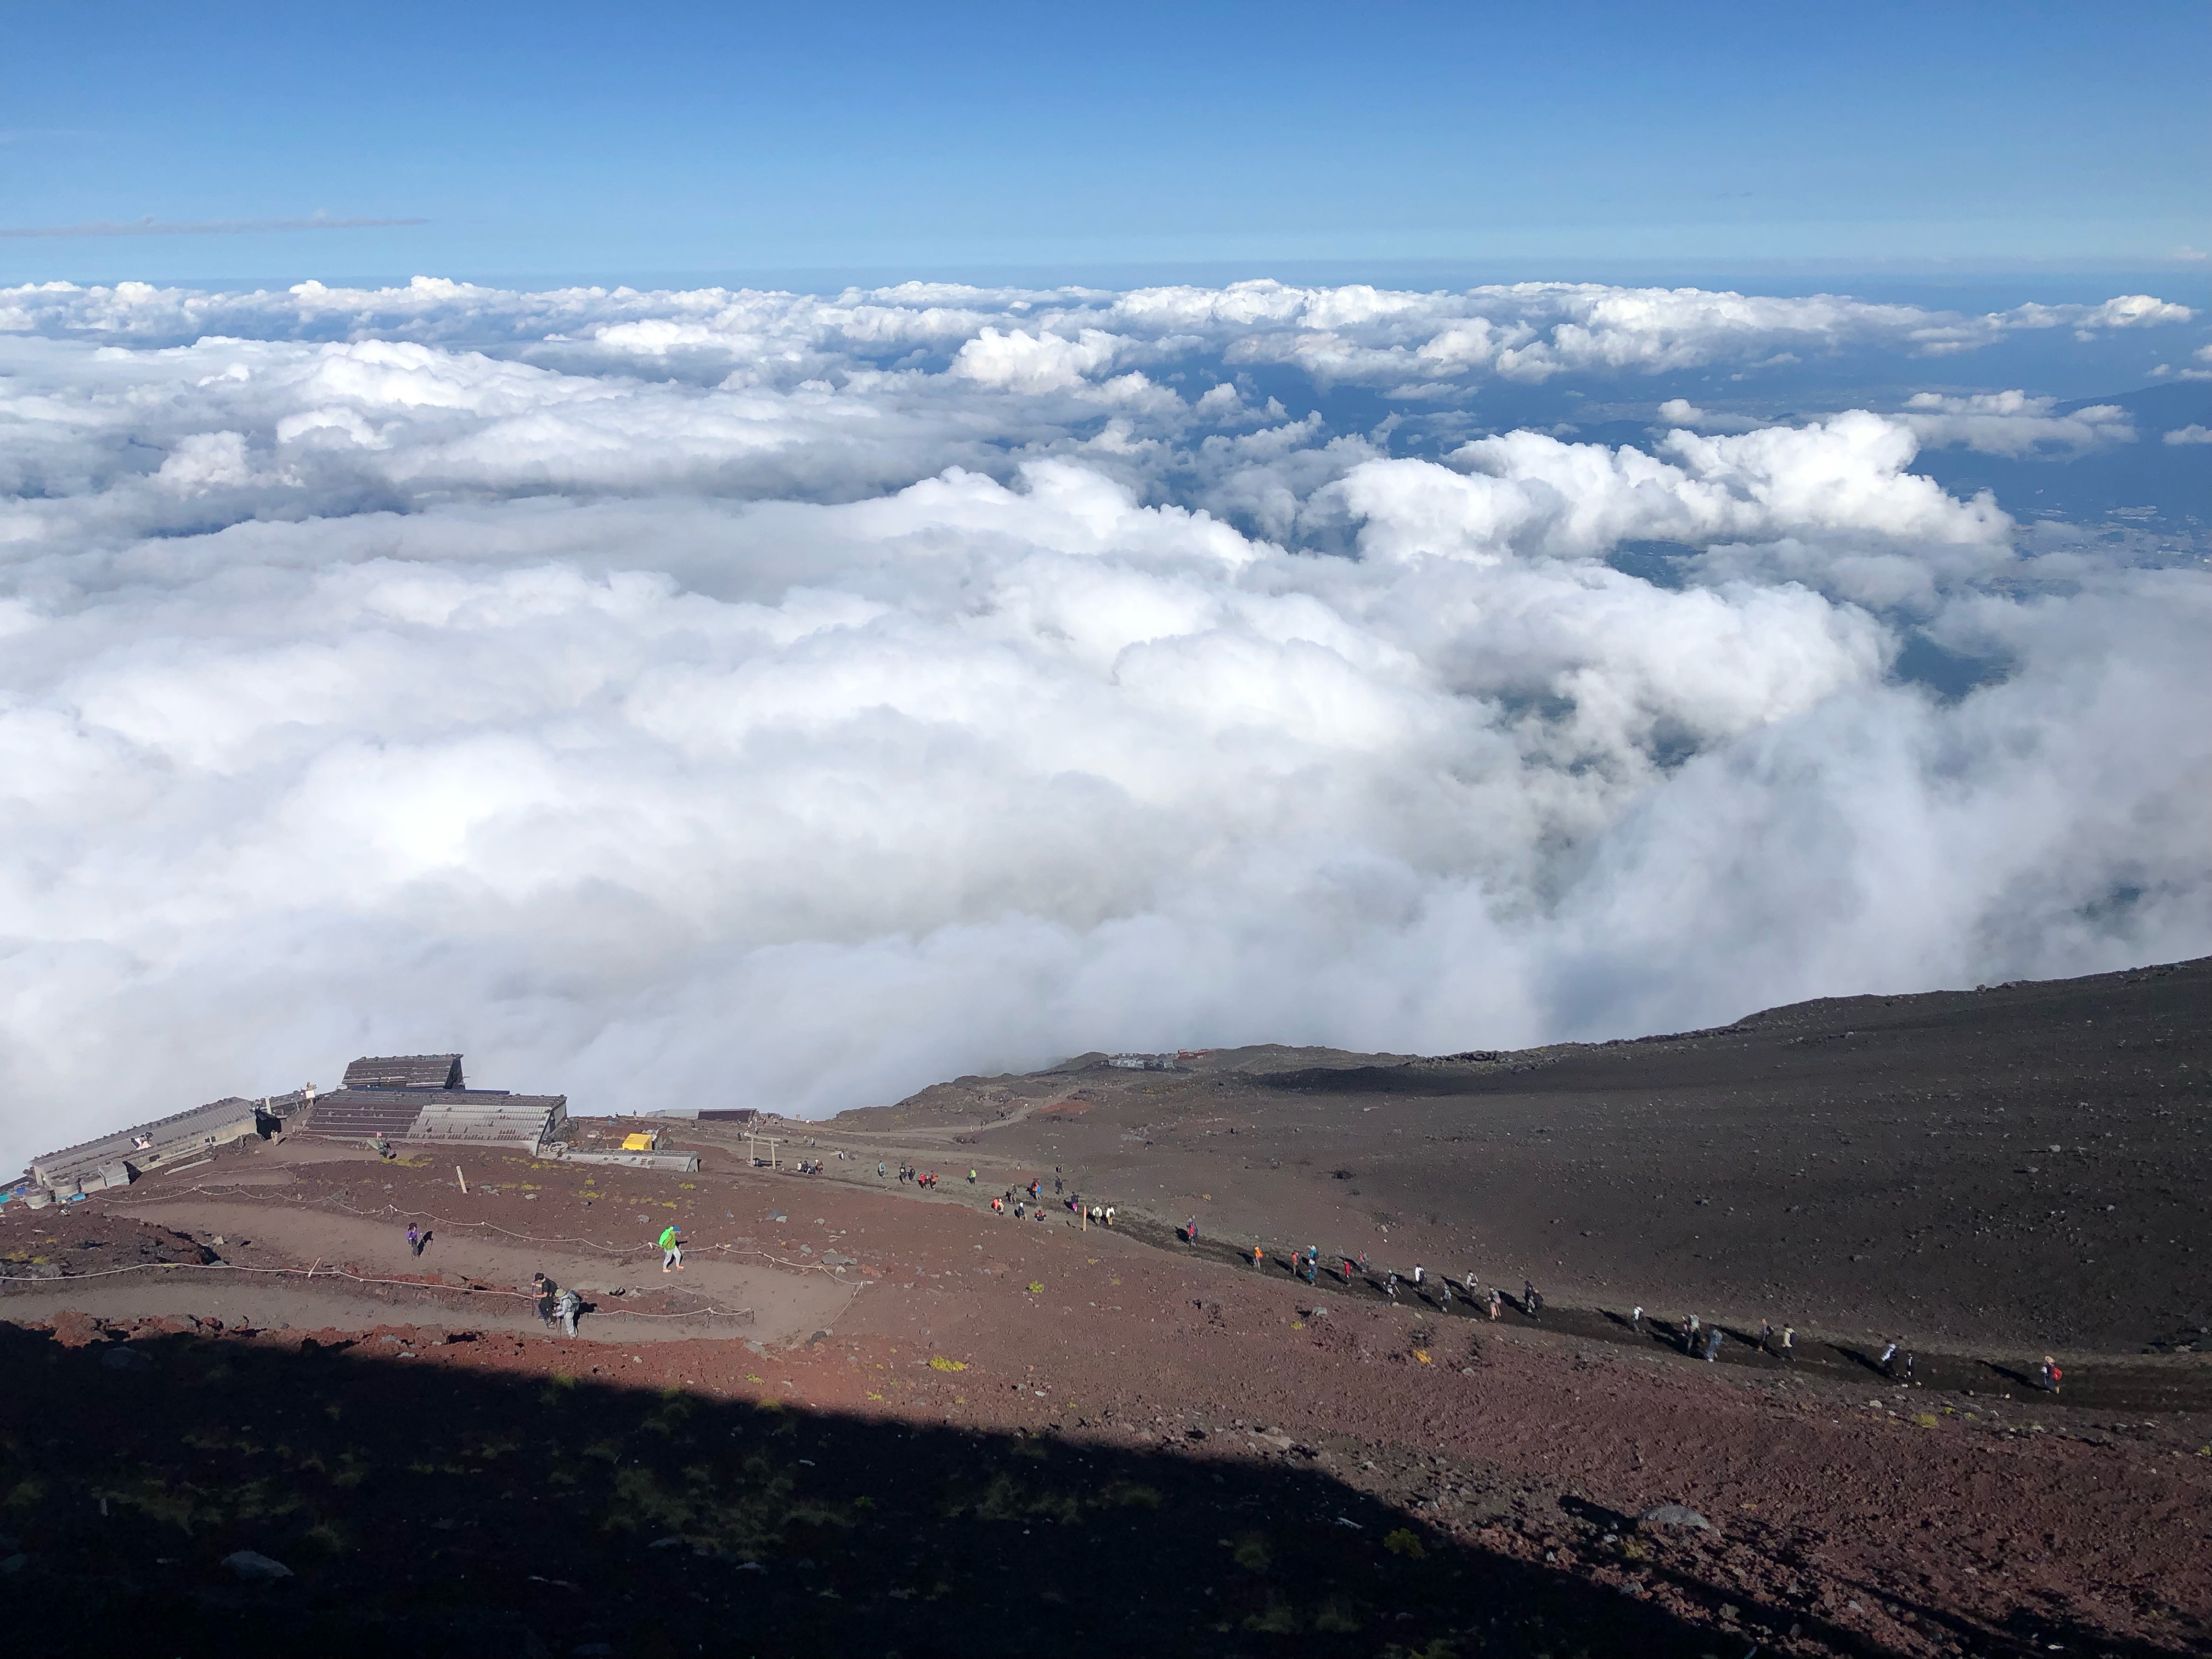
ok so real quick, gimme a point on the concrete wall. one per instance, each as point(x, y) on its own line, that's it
point(686, 1162)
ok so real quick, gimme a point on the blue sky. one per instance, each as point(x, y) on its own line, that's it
point(646, 141)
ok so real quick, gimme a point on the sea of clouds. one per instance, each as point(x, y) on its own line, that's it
point(716, 698)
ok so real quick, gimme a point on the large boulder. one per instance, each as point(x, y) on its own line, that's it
point(1669, 1516)
point(256, 1568)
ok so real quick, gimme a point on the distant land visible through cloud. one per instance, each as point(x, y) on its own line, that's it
point(720, 697)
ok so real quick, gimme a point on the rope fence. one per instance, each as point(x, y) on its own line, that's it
point(230, 1190)
point(319, 1272)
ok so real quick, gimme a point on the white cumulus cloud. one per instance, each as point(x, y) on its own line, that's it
point(2013, 423)
point(717, 698)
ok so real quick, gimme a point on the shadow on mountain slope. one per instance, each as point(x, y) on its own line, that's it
point(426, 1508)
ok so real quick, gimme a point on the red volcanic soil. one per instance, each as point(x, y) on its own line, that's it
point(2013, 1168)
point(867, 1418)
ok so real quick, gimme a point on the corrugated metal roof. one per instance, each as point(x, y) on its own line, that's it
point(178, 1126)
point(435, 1114)
point(405, 1072)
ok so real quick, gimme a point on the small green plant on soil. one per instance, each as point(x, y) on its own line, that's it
point(740, 1513)
point(152, 1497)
point(1336, 1617)
point(1445, 1647)
point(25, 1494)
point(1279, 1618)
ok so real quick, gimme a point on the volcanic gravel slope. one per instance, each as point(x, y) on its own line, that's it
point(2021, 1166)
point(1005, 1434)
point(1019, 1433)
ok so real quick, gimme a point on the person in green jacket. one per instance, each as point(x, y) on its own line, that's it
point(672, 1249)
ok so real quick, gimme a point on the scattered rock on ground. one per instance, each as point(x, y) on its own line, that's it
point(256, 1568)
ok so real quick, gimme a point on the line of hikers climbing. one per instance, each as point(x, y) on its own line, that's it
point(1024, 1203)
point(1031, 1206)
point(1306, 1264)
point(1697, 1339)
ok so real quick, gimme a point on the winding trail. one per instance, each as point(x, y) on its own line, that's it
point(2129, 1382)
